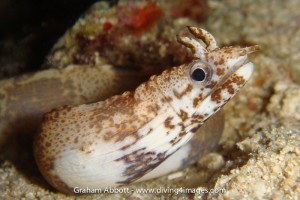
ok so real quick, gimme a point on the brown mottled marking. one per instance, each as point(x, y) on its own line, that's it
point(228, 50)
point(168, 124)
point(196, 101)
point(238, 80)
point(195, 129)
point(139, 163)
point(183, 115)
point(230, 89)
point(221, 61)
point(211, 84)
point(182, 133)
point(168, 99)
point(228, 85)
point(216, 96)
point(216, 109)
point(125, 134)
point(197, 118)
point(175, 140)
point(220, 71)
point(108, 136)
point(179, 95)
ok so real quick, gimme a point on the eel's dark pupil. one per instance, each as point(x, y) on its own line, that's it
point(198, 75)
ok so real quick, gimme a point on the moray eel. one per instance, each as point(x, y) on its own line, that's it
point(130, 137)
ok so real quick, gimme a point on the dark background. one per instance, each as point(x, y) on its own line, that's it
point(28, 30)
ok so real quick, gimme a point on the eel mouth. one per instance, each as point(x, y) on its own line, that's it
point(241, 68)
point(239, 64)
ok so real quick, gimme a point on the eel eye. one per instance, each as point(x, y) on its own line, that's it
point(200, 72)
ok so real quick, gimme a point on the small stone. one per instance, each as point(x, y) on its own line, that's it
point(212, 161)
point(29, 195)
point(175, 175)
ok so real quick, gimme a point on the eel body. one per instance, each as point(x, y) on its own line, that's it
point(130, 137)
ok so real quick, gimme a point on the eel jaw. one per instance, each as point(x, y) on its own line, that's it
point(241, 62)
point(241, 68)
point(237, 62)
point(245, 71)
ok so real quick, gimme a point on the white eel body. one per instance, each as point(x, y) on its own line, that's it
point(141, 134)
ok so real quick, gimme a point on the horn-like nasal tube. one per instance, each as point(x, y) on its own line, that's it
point(205, 36)
point(197, 49)
point(251, 49)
